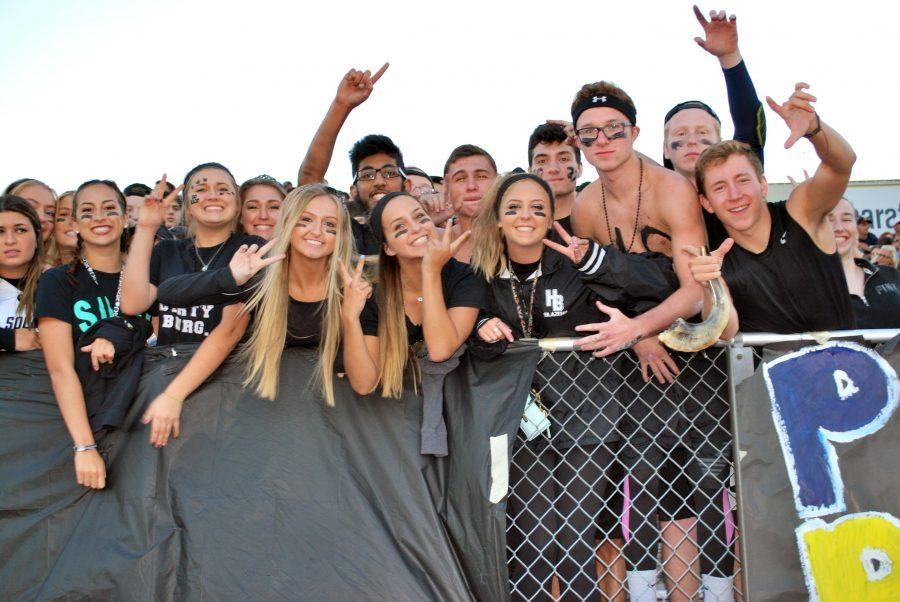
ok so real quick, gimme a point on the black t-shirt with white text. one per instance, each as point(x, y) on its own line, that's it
point(83, 304)
point(191, 324)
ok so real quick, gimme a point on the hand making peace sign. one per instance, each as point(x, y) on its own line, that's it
point(356, 290)
point(152, 213)
point(575, 248)
point(248, 260)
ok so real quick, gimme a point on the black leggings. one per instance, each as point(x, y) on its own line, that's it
point(708, 471)
point(553, 511)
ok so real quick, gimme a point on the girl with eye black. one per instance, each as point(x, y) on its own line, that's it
point(212, 215)
point(423, 296)
point(70, 300)
point(20, 269)
point(540, 288)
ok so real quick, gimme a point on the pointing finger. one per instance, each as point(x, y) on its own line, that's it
point(380, 72)
point(359, 268)
point(700, 16)
point(556, 246)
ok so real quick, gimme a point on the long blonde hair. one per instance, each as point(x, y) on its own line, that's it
point(271, 300)
point(489, 255)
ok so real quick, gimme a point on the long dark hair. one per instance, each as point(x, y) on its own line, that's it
point(28, 284)
point(76, 257)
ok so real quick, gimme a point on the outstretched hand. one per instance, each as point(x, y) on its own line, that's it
point(248, 260)
point(721, 34)
point(356, 86)
point(356, 290)
point(797, 112)
point(705, 268)
point(441, 249)
point(575, 247)
point(152, 213)
point(620, 332)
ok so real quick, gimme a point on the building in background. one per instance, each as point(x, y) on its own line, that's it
point(878, 200)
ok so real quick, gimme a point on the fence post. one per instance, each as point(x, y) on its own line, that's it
point(740, 368)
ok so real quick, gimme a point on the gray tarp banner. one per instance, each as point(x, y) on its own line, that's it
point(258, 499)
point(828, 385)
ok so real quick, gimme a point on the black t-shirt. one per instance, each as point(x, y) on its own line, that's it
point(304, 323)
point(879, 307)
point(462, 288)
point(83, 304)
point(791, 286)
point(175, 257)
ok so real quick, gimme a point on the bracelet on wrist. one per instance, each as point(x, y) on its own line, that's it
point(81, 448)
point(172, 397)
point(816, 130)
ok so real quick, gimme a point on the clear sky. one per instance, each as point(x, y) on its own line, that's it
point(128, 90)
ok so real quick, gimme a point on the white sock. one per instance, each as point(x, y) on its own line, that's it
point(717, 589)
point(642, 586)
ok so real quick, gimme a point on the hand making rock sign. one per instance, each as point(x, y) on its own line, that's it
point(441, 249)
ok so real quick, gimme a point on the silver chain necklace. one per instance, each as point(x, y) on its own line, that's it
point(206, 264)
point(93, 276)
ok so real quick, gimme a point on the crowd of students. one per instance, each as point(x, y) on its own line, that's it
point(408, 265)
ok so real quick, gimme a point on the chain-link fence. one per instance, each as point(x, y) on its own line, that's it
point(629, 495)
point(632, 494)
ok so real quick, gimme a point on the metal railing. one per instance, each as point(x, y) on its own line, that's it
point(634, 492)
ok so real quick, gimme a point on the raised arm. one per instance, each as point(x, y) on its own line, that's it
point(812, 200)
point(138, 294)
point(721, 41)
point(361, 353)
point(444, 329)
point(354, 89)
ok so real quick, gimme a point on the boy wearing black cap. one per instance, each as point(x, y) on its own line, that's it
point(692, 126)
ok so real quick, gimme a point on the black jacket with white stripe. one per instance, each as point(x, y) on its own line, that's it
point(587, 412)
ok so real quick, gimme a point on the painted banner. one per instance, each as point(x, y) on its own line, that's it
point(820, 442)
